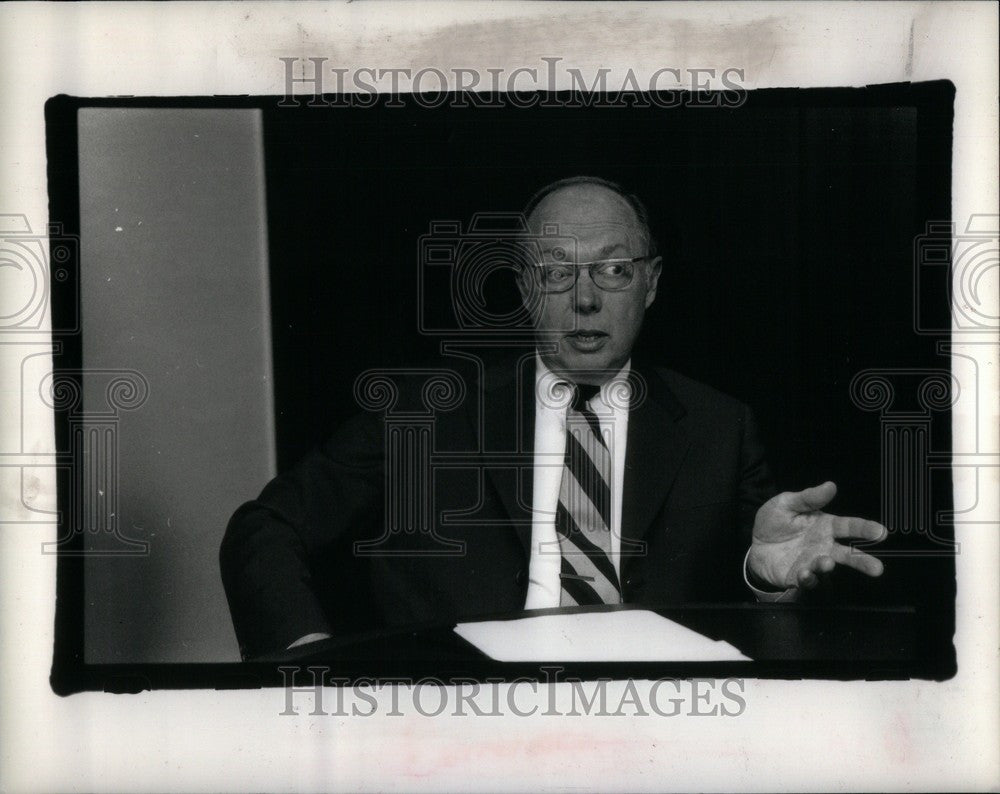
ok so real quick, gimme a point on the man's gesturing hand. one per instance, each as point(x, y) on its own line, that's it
point(794, 540)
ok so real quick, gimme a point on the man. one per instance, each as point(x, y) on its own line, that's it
point(581, 477)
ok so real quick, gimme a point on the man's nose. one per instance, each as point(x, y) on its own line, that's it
point(588, 294)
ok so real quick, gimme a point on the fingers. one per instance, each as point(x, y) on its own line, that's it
point(858, 560)
point(807, 576)
point(806, 580)
point(859, 529)
point(811, 499)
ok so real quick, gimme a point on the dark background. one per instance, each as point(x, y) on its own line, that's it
point(787, 227)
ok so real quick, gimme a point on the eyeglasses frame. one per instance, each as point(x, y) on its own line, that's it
point(577, 266)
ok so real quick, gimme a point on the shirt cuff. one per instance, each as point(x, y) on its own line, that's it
point(768, 596)
point(316, 636)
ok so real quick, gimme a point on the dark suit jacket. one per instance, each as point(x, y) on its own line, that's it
point(694, 478)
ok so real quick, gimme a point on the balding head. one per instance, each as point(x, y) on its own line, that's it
point(588, 200)
point(594, 277)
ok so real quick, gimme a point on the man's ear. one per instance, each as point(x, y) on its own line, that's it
point(652, 279)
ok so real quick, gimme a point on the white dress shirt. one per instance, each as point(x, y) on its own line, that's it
point(610, 405)
point(611, 408)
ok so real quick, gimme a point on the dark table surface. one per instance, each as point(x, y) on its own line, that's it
point(785, 640)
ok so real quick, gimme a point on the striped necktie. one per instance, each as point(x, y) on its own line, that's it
point(583, 516)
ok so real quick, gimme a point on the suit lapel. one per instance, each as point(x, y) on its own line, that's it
point(507, 433)
point(657, 445)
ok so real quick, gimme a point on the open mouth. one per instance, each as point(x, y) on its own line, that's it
point(586, 341)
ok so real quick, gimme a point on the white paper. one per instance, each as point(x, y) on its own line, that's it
point(595, 637)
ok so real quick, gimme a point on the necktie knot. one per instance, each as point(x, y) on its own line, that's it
point(582, 394)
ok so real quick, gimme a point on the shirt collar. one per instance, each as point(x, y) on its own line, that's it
point(614, 392)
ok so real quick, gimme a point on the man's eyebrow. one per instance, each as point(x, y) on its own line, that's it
point(603, 253)
point(609, 249)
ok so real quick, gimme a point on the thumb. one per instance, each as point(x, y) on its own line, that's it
point(814, 498)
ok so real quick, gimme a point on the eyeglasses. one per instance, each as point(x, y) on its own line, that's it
point(610, 275)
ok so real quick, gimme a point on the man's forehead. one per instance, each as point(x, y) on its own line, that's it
point(588, 221)
point(601, 238)
point(584, 205)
